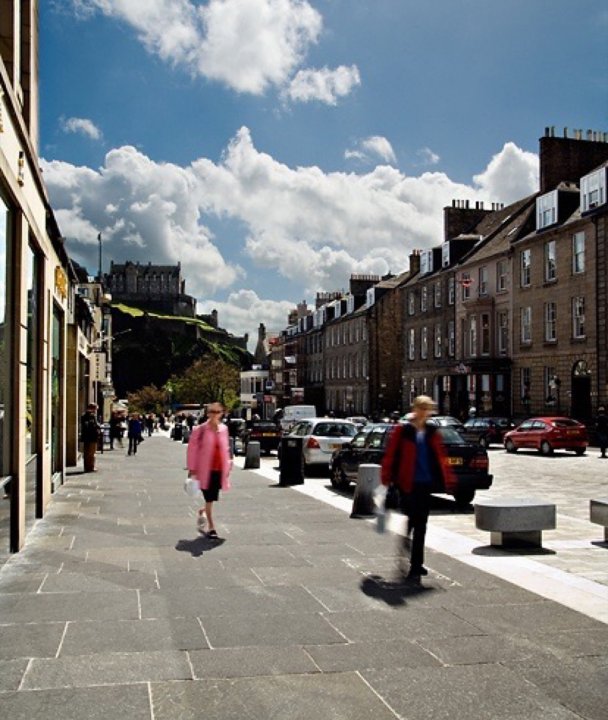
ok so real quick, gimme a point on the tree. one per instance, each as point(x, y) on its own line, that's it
point(207, 380)
point(148, 399)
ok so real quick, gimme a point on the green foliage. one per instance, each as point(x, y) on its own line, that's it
point(148, 399)
point(207, 380)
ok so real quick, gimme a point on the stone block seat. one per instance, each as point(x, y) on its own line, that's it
point(598, 513)
point(515, 522)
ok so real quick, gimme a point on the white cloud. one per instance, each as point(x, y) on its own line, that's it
point(81, 126)
point(311, 227)
point(510, 175)
point(323, 85)
point(428, 157)
point(372, 147)
point(144, 210)
point(244, 310)
point(250, 45)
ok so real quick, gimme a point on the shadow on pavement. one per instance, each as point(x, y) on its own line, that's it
point(393, 592)
point(491, 550)
point(198, 546)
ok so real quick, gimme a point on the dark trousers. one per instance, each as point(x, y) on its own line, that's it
point(418, 508)
point(603, 442)
point(133, 442)
point(88, 452)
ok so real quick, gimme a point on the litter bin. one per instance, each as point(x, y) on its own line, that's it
point(178, 431)
point(291, 468)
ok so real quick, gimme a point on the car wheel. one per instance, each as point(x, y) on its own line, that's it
point(580, 451)
point(510, 446)
point(338, 479)
point(545, 448)
point(464, 497)
point(483, 441)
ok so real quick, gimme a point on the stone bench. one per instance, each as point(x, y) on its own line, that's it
point(598, 513)
point(515, 522)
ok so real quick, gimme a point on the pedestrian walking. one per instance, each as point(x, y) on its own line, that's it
point(115, 429)
point(134, 428)
point(89, 435)
point(209, 461)
point(415, 461)
point(601, 428)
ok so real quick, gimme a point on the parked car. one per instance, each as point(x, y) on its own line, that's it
point(547, 434)
point(359, 420)
point(487, 430)
point(469, 461)
point(321, 437)
point(263, 431)
point(446, 421)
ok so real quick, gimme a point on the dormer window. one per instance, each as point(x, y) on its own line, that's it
point(546, 210)
point(426, 262)
point(593, 190)
point(445, 255)
point(370, 297)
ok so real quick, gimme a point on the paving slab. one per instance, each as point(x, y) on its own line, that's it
point(11, 674)
point(25, 640)
point(106, 669)
point(251, 662)
point(94, 703)
point(340, 696)
point(88, 638)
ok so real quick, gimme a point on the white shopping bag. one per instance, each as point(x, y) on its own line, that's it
point(379, 503)
point(191, 487)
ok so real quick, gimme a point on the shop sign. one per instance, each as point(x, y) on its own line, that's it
point(99, 366)
point(61, 282)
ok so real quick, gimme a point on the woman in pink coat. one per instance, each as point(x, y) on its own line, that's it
point(209, 462)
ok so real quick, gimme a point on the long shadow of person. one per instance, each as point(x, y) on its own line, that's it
point(393, 592)
point(199, 545)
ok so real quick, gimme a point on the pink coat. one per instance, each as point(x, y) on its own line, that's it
point(201, 448)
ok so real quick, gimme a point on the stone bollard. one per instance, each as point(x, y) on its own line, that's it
point(252, 458)
point(368, 480)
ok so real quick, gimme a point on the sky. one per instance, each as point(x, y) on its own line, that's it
point(275, 147)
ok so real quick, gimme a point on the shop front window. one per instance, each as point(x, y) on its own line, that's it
point(56, 391)
point(33, 316)
point(5, 483)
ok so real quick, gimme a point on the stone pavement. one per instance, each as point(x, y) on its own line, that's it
point(116, 607)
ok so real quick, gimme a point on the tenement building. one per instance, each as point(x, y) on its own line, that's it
point(36, 295)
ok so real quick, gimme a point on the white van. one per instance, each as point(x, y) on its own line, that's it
point(293, 413)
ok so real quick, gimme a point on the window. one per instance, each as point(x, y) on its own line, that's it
point(424, 343)
point(473, 336)
point(451, 338)
point(451, 290)
point(438, 294)
point(550, 387)
point(423, 299)
point(485, 334)
point(411, 346)
point(411, 303)
point(31, 424)
point(578, 317)
point(593, 190)
point(5, 235)
point(546, 210)
point(483, 281)
point(550, 261)
point(578, 253)
point(550, 322)
point(525, 266)
point(525, 381)
point(466, 282)
point(526, 325)
point(501, 276)
point(437, 341)
point(503, 332)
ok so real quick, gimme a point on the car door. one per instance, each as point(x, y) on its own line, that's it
point(522, 436)
point(375, 445)
point(537, 434)
point(350, 455)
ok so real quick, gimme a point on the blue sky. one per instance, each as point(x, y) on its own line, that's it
point(276, 146)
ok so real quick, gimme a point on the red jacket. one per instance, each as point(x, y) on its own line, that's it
point(399, 462)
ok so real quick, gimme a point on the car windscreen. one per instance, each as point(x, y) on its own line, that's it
point(334, 430)
point(451, 437)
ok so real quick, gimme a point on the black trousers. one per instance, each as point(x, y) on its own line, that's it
point(418, 509)
point(133, 442)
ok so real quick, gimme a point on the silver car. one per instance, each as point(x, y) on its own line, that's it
point(321, 437)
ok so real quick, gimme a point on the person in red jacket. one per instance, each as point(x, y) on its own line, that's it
point(415, 460)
